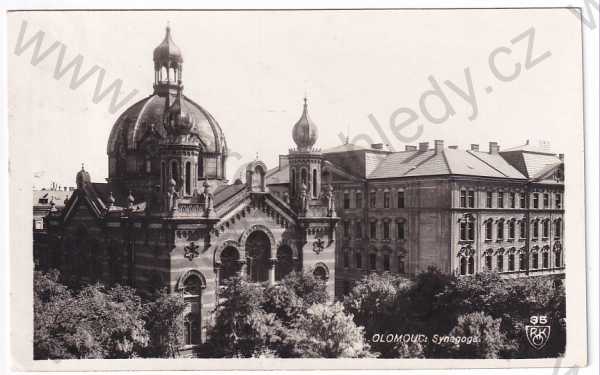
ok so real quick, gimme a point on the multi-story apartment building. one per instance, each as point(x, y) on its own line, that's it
point(462, 211)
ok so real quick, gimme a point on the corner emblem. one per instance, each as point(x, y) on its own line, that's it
point(538, 334)
point(191, 251)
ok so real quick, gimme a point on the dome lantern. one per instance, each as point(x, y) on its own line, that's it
point(168, 65)
point(305, 131)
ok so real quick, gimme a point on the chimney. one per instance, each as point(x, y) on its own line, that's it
point(410, 148)
point(453, 147)
point(423, 146)
point(474, 147)
point(494, 148)
point(283, 161)
point(438, 145)
point(561, 157)
point(377, 146)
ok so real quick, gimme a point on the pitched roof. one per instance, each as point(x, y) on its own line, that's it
point(278, 175)
point(446, 162)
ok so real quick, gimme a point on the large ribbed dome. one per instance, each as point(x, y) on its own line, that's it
point(305, 131)
point(147, 116)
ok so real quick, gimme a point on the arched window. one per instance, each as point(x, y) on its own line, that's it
point(175, 172)
point(191, 332)
point(557, 258)
point(463, 266)
point(471, 265)
point(303, 177)
point(229, 264)
point(321, 272)
point(192, 285)
point(545, 260)
point(511, 262)
point(258, 248)
point(285, 262)
point(188, 178)
point(293, 181)
point(500, 262)
point(535, 261)
point(314, 183)
point(200, 167)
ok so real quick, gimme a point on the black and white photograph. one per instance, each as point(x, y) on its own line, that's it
point(301, 184)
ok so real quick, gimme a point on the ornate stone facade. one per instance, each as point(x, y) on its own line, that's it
point(167, 217)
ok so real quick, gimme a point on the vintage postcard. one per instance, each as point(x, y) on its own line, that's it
point(267, 189)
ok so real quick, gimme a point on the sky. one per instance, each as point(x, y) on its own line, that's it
point(369, 75)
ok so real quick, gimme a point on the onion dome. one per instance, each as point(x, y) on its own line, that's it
point(83, 177)
point(167, 53)
point(305, 131)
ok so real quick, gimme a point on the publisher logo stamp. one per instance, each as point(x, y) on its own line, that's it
point(538, 332)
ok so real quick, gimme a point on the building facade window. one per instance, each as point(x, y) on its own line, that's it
point(386, 230)
point(400, 203)
point(500, 262)
point(511, 262)
point(373, 262)
point(346, 229)
point(500, 199)
point(488, 230)
point(512, 200)
point(386, 262)
point(545, 260)
point(489, 199)
point(401, 232)
point(401, 264)
point(511, 229)
point(358, 229)
point(535, 261)
point(558, 200)
point(467, 230)
point(358, 197)
point(373, 230)
point(545, 228)
point(522, 262)
point(358, 260)
point(463, 198)
point(557, 259)
point(557, 228)
point(346, 258)
point(500, 230)
point(346, 201)
point(471, 265)
point(373, 199)
point(536, 230)
point(488, 262)
point(523, 202)
point(523, 228)
point(463, 266)
point(536, 200)
point(546, 200)
point(471, 199)
point(386, 199)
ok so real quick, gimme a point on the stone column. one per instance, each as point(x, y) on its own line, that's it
point(272, 263)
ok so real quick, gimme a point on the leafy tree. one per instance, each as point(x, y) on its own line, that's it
point(94, 323)
point(164, 322)
point(325, 331)
point(376, 303)
point(242, 328)
point(488, 340)
point(293, 295)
